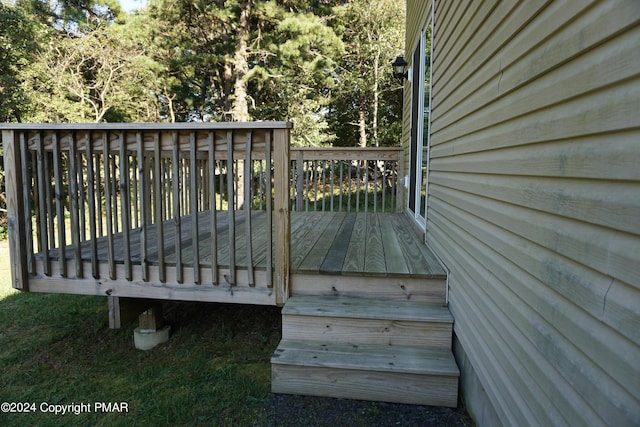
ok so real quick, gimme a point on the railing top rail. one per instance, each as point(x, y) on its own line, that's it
point(147, 126)
point(347, 149)
point(346, 153)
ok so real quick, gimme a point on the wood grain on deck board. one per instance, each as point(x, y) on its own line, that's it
point(334, 259)
point(335, 243)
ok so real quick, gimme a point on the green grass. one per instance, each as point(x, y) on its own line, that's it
point(57, 349)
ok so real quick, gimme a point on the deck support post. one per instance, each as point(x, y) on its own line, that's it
point(123, 311)
point(151, 319)
point(152, 330)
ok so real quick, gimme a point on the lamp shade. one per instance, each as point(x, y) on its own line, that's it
point(399, 66)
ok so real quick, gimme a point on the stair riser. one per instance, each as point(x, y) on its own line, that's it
point(366, 331)
point(396, 387)
point(380, 288)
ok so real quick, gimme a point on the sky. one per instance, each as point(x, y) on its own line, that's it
point(129, 5)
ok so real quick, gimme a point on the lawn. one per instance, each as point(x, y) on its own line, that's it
point(58, 350)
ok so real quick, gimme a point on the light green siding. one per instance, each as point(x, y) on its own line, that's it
point(534, 201)
point(416, 13)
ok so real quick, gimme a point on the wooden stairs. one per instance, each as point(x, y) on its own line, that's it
point(368, 349)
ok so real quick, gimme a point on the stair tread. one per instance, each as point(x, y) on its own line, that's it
point(367, 357)
point(360, 308)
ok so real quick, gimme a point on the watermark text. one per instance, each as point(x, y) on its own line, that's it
point(65, 408)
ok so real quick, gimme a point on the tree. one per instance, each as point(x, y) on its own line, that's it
point(72, 15)
point(18, 47)
point(294, 71)
point(247, 60)
point(372, 32)
point(323, 64)
point(98, 75)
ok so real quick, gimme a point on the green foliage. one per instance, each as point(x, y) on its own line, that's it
point(18, 46)
point(322, 64)
point(100, 75)
point(295, 72)
point(368, 97)
point(72, 15)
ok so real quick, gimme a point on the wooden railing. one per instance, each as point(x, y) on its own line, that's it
point(346, 179)
point(137, 186)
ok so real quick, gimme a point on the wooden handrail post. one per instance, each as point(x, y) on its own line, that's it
point(281, 166)
point(15, 211)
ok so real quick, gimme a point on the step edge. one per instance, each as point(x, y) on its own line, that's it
point(310, 306)
point(451, 371)
point(425, 319)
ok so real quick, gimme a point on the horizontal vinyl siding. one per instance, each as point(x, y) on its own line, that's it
point(417, 12)
point(534, 203)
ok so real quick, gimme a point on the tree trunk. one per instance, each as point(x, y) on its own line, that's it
point(240, 111)
point(362, 126)
point(376, 97)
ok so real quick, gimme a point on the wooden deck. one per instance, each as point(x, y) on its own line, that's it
point(331, 252)
point(333, 243)
point(228, 213)
point(142, 211)
point(363, 244)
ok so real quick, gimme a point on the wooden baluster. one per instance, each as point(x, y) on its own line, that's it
point(231, 212)
point(375, 186)
point(384, 183)
point(341, 181)
point(247, 209)
point(324, 183)
point(134, 185)
point(333, 174)
point(48, 197)
point(27, 187)
point(73, 187)
point(108, 207)
point(307, 185)
point(157, 202)
point(365, 171)
point(221, 185)
point(91, 184)
point(114, 193)
point(399, 172)
point(125, 194)
point(212, 207)
point(177, 222)
point(98, 191)
point(299, 180)
point(59, 198)
point(143, 191)
point(82, 195)
point(269, 207)
point(195, 244)
point(349, 188)
point(260, 184)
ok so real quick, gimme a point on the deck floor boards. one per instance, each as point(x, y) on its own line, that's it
point(337, 243)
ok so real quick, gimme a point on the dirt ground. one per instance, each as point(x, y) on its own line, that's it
point(307, 411)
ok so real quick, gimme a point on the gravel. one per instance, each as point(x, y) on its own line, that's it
point(307, 411)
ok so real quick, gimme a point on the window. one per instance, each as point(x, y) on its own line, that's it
point(420, 112)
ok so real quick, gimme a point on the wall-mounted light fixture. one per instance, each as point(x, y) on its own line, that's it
point(399, 67)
